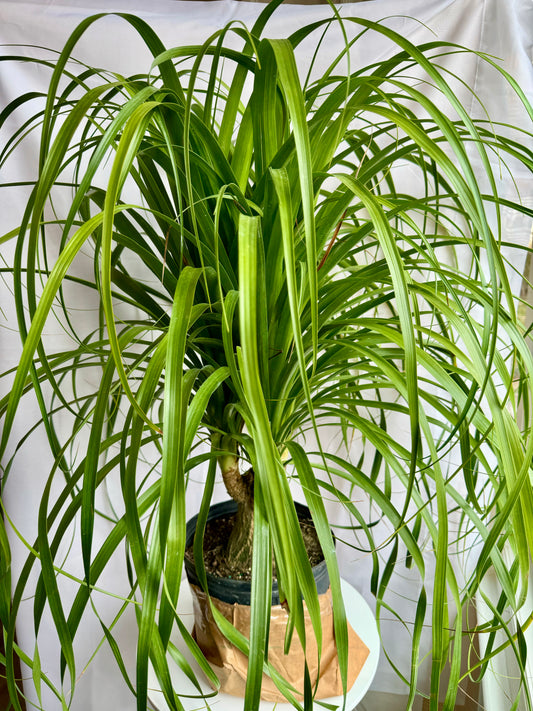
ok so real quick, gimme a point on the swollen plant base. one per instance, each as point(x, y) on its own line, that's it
point(230, 665)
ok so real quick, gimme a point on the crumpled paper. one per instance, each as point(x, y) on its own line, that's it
point(230, 665)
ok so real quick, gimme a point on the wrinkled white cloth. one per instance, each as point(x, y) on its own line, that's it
point(503, 28)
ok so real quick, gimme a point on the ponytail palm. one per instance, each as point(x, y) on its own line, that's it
point(260, 272)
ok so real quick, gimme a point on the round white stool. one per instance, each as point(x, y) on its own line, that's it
point(360, 617)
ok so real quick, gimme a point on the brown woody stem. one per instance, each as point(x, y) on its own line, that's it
point(240, 488)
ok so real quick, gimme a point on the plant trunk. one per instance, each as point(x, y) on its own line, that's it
point(240, 544)
point(241, 489)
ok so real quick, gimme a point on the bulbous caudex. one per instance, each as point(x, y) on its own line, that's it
point(241, 489)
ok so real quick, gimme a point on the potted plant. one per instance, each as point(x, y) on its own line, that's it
point(259, 272)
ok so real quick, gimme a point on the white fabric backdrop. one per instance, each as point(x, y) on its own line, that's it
point(503, 28)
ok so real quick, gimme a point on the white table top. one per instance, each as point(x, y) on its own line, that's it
point(360, 617)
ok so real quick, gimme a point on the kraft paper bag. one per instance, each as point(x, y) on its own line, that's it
point(230, 665)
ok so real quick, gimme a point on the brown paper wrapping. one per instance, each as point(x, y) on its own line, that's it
point(230, 665)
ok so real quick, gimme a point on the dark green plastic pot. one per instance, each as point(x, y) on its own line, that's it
point(239, 591)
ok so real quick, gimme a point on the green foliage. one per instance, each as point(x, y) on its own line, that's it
point(260, 272)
